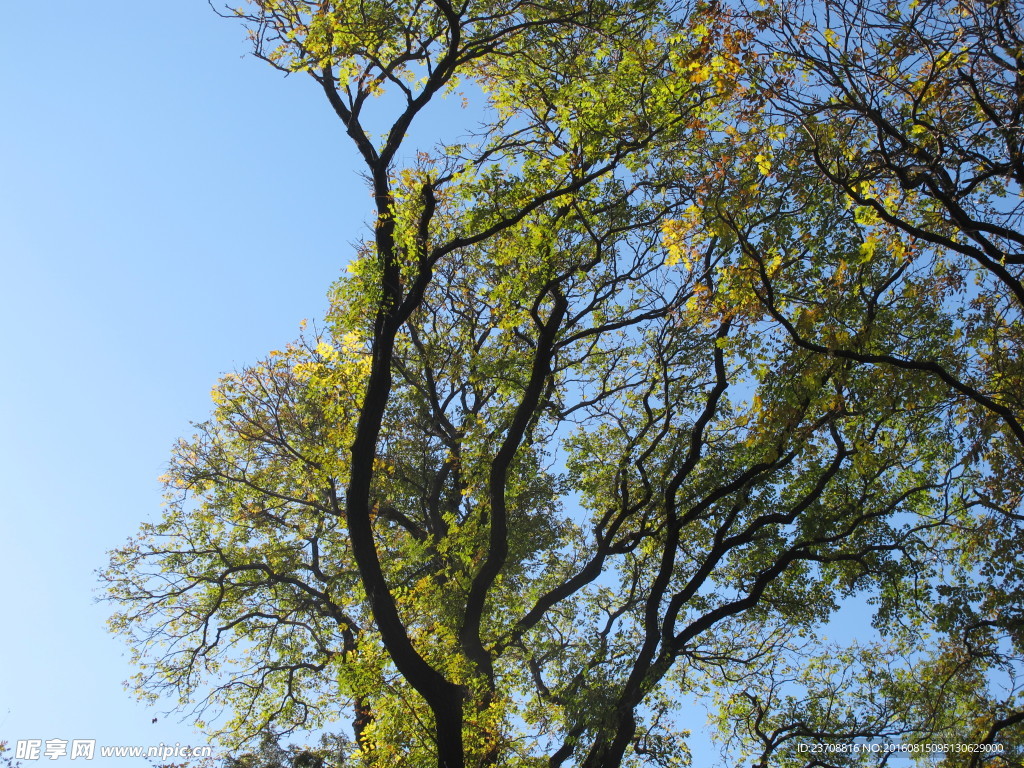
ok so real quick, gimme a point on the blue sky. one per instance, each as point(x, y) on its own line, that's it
point(169, 209)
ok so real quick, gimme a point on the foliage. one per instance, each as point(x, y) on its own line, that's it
point(708, 332)
point(6, 759)
point(270, 754)
point(885, 235)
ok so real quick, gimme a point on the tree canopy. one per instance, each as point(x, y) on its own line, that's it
point(703, 329)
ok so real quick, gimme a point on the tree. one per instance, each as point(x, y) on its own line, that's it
point(914, 115)
point(885, 232)
point(270, 754)
point(575, 443)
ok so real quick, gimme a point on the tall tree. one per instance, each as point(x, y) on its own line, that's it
point(877, 223)
point(594, 424)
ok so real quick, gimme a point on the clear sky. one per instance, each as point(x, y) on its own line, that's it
point(169, 209)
